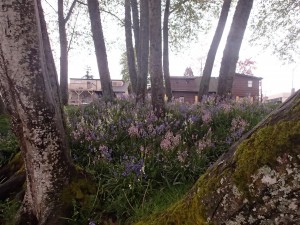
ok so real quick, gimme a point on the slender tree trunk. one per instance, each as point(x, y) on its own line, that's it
point(204, 84)
point(129, 48)
point(29, 91)
point(64, 58)
point(156, 75)
point(233, 45)
point(166, 51)
point(136, 26)
point(63, 53)
point(50, 65)
point(143, 59)
point(96, 27)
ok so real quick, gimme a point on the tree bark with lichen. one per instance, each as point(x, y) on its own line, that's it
point(28, 84)
point(256, 182)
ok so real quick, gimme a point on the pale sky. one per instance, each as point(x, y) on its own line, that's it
point(277, 77)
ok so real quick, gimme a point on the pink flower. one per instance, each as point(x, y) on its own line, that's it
point(206, 117)
point(133, 131)
point(170, 141)
point(76, 134)
point(181, 156)
point(165, 144)
point(205, 142)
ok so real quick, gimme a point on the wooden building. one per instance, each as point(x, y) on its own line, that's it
point(185, 89)
point(83, 91)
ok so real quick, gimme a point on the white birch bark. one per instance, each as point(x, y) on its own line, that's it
point(38, 121)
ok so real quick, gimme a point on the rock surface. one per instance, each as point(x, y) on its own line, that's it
point(256, 182)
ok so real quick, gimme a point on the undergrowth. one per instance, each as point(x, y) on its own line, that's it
point(142, 163)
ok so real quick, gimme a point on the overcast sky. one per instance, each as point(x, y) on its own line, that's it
point(277, 77)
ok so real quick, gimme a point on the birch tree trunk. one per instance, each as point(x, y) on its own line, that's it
point(143, 58)
point(129, 48)
point(156, 74)
point(204, 84)
point(166, 51)
point(30, 92)
point(96, 27)
point(233, 45)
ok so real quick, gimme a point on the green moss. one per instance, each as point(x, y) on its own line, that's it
point(263, 148)
point(79, 189)
point(15, 165)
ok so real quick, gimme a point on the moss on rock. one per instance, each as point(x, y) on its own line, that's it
point(263, 148)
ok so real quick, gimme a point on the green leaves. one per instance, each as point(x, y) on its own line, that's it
point(275, 26)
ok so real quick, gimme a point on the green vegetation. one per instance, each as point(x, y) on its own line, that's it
point(8, 211)
point(8, 142)
point(142, 164)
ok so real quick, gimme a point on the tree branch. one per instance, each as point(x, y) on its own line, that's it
point(114, 15)
point(73, 31)
point(103, 10)
point(70, 11)
point(80, 2)
point(176, 7)
point(51, 6)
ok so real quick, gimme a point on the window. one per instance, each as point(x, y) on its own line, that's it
point(181, 99)
point(117, 83)
point(250, 83)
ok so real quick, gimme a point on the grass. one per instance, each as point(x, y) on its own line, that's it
point(158, 201)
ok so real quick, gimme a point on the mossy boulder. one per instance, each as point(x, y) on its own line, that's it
point(256, 182)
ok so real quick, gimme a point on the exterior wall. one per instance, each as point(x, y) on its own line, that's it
point(278, 98)
point(187, 87)
point(82, 97)
point(189, 97)
point(240, 87)
point(184, 84)
point(84, 91)
point(84, 84)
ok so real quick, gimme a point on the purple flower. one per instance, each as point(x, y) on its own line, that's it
point(105, 153)
point(131, 166)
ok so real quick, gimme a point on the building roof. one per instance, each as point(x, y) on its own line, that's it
point(248, 76)
point(191, 84)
